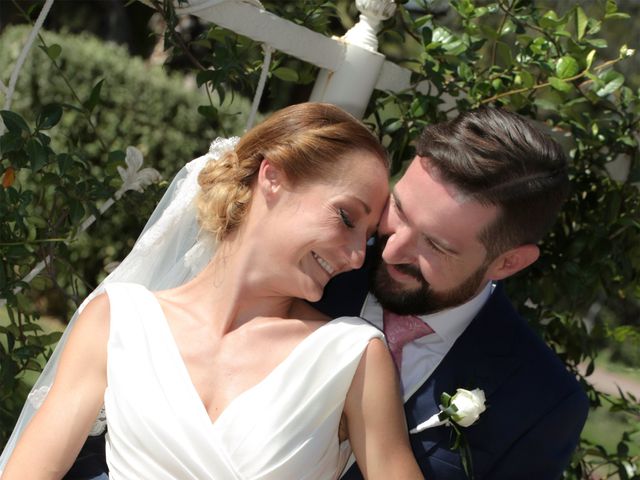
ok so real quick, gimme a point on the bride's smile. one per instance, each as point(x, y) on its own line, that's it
point(323, 263)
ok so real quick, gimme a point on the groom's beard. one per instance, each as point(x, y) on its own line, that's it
point(420, 300)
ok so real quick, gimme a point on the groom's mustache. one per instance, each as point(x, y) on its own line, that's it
point(406, 268)
point(411, 270)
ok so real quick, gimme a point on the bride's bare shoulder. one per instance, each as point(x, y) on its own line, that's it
point(94, 318)
point(85, 353)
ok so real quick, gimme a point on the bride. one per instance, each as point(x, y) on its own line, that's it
point(232, 374)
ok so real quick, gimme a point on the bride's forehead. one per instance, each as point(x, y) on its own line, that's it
point(354, 167)
point(366, 194)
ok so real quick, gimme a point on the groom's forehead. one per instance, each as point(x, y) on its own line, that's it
point(438, 208)
point(423, 180)
point(420, 182)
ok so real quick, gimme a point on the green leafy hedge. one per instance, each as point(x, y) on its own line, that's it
point(139, 105)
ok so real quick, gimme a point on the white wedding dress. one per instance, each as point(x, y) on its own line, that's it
point(285, 427)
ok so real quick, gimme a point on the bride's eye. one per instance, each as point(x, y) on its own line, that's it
point(344, 216)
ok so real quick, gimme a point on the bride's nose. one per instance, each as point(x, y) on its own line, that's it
point(358, 250)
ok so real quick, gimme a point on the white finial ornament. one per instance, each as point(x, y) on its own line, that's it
point(372, 14)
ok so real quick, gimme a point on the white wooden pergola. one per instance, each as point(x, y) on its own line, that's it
point(351, 66)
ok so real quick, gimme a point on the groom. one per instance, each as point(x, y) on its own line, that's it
point(482, 190)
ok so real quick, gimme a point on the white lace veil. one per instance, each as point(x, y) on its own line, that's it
point(168, 252)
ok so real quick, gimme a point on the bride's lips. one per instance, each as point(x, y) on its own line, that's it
point(326, 266)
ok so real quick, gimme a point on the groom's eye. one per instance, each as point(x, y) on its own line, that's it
point(432, 245)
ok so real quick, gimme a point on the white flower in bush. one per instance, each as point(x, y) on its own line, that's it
point(134, 177)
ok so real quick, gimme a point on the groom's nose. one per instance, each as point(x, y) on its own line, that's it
point(400, 247)
point(401, 240)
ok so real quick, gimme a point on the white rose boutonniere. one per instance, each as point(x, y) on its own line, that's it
point(459, 410)
point(468, 405)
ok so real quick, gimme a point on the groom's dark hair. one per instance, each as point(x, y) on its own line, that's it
point(499, 158)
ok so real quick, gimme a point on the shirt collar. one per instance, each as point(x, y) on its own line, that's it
point(447, 324)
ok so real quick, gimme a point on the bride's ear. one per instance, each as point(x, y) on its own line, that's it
point(270, 180)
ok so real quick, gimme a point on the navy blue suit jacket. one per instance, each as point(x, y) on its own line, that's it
point(535, 408)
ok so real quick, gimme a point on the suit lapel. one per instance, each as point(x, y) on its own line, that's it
point(482, 357)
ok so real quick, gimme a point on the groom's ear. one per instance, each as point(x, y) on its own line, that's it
point(512, 261)
point(270, 180)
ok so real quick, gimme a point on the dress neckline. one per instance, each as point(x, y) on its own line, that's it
point(182, 366)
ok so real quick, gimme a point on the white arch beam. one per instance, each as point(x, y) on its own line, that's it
point(247, 18)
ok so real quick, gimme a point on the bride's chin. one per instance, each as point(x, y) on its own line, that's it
point(313, 293)
point(314, 298)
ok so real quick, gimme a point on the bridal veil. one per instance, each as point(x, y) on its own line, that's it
point(170, 251)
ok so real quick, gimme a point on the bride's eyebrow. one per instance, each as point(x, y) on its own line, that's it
point(366, 207)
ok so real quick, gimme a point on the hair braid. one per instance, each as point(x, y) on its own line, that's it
point(225, 192)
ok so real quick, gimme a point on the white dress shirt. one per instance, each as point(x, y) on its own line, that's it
point(421, 356)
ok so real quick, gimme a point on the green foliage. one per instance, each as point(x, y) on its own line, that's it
point(138, 104)
point(37, 217)
point(230, 64)
point(115, 100)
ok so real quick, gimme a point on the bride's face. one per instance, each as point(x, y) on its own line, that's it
point(319, 229)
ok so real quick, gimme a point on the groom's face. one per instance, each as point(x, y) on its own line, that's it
point(429, 252)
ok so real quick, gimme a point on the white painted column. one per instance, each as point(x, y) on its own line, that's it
point(352, 82)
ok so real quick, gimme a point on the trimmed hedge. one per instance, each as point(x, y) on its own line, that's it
point(140, 105)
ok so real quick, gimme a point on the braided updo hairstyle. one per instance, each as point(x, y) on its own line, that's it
point(305, 141)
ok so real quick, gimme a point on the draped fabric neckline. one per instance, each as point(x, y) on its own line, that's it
point(184, 371)
point(284, 426)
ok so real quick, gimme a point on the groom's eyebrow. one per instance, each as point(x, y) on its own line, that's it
point(397, 202)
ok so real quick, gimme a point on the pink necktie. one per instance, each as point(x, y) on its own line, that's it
point(400, 330)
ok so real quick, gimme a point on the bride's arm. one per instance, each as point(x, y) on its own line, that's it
point(375, 419)
point(53, 438)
